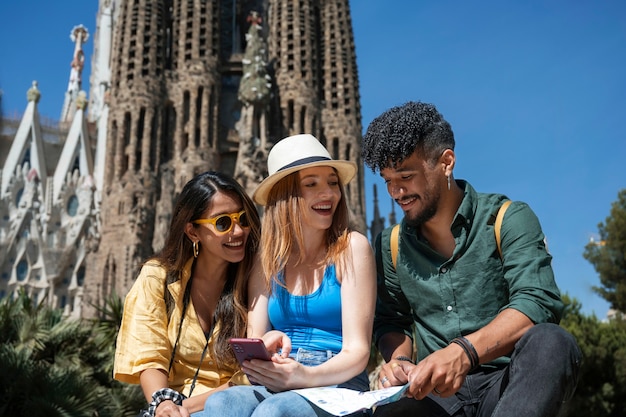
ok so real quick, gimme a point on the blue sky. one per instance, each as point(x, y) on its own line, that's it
point(535, 92)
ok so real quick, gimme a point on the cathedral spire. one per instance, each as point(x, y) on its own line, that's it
point(378, 222)
point(255, 95)
point(76, 154)
point(27, 146)
point(392, 215)
point(79, 36)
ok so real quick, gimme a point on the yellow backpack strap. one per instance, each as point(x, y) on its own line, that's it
point(393, 243)
point(498, 224)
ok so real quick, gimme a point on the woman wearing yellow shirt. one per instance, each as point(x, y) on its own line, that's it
point(190, 299)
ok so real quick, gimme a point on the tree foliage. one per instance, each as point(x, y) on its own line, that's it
point(601, 389)
point(608, 256)
point(56, 366)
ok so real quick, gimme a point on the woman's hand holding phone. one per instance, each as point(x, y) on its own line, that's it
point(246, 349)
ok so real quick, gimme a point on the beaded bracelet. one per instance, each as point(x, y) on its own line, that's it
point(164, 394)
point(469, 350)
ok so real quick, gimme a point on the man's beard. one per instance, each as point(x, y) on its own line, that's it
point(428, 211)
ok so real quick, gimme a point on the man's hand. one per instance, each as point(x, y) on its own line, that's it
point(394, 373)
point(442, 373)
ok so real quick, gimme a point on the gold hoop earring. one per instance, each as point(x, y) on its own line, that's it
point(195, 249)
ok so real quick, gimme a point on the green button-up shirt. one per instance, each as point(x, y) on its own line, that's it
point(447, 298)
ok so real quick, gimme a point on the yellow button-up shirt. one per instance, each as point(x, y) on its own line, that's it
point(146, 337)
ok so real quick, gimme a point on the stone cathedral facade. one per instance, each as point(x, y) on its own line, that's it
point(177, 87)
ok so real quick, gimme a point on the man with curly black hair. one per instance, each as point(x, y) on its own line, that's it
point(468, 308)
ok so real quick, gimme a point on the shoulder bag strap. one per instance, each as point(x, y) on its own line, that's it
point(498, 224)
point(393, 242)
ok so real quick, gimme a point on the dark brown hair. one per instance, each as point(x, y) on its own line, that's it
point(193, 201)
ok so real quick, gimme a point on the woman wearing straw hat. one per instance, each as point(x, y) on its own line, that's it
point(312, 292)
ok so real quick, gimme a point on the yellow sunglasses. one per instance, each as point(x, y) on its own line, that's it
point(225, 222)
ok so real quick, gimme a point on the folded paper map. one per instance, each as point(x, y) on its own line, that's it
point(343, 401)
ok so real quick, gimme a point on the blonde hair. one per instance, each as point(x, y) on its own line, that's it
point(281, 231)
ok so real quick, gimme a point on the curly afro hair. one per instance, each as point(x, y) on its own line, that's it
point(402, 130)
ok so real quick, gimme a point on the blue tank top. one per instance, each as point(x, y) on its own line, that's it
point(312, 321)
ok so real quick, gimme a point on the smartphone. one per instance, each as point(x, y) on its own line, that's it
point(249, 348)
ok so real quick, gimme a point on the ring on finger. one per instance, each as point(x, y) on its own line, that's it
point(385, 379)
point(436, 391)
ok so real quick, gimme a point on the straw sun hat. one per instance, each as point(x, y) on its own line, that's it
point(295, 153)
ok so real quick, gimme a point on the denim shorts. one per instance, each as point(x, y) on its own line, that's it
point(311, 357)
point(317, 357)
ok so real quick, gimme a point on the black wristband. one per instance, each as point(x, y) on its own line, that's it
point(473, 352)
point(404, 358)
point(469, 350)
